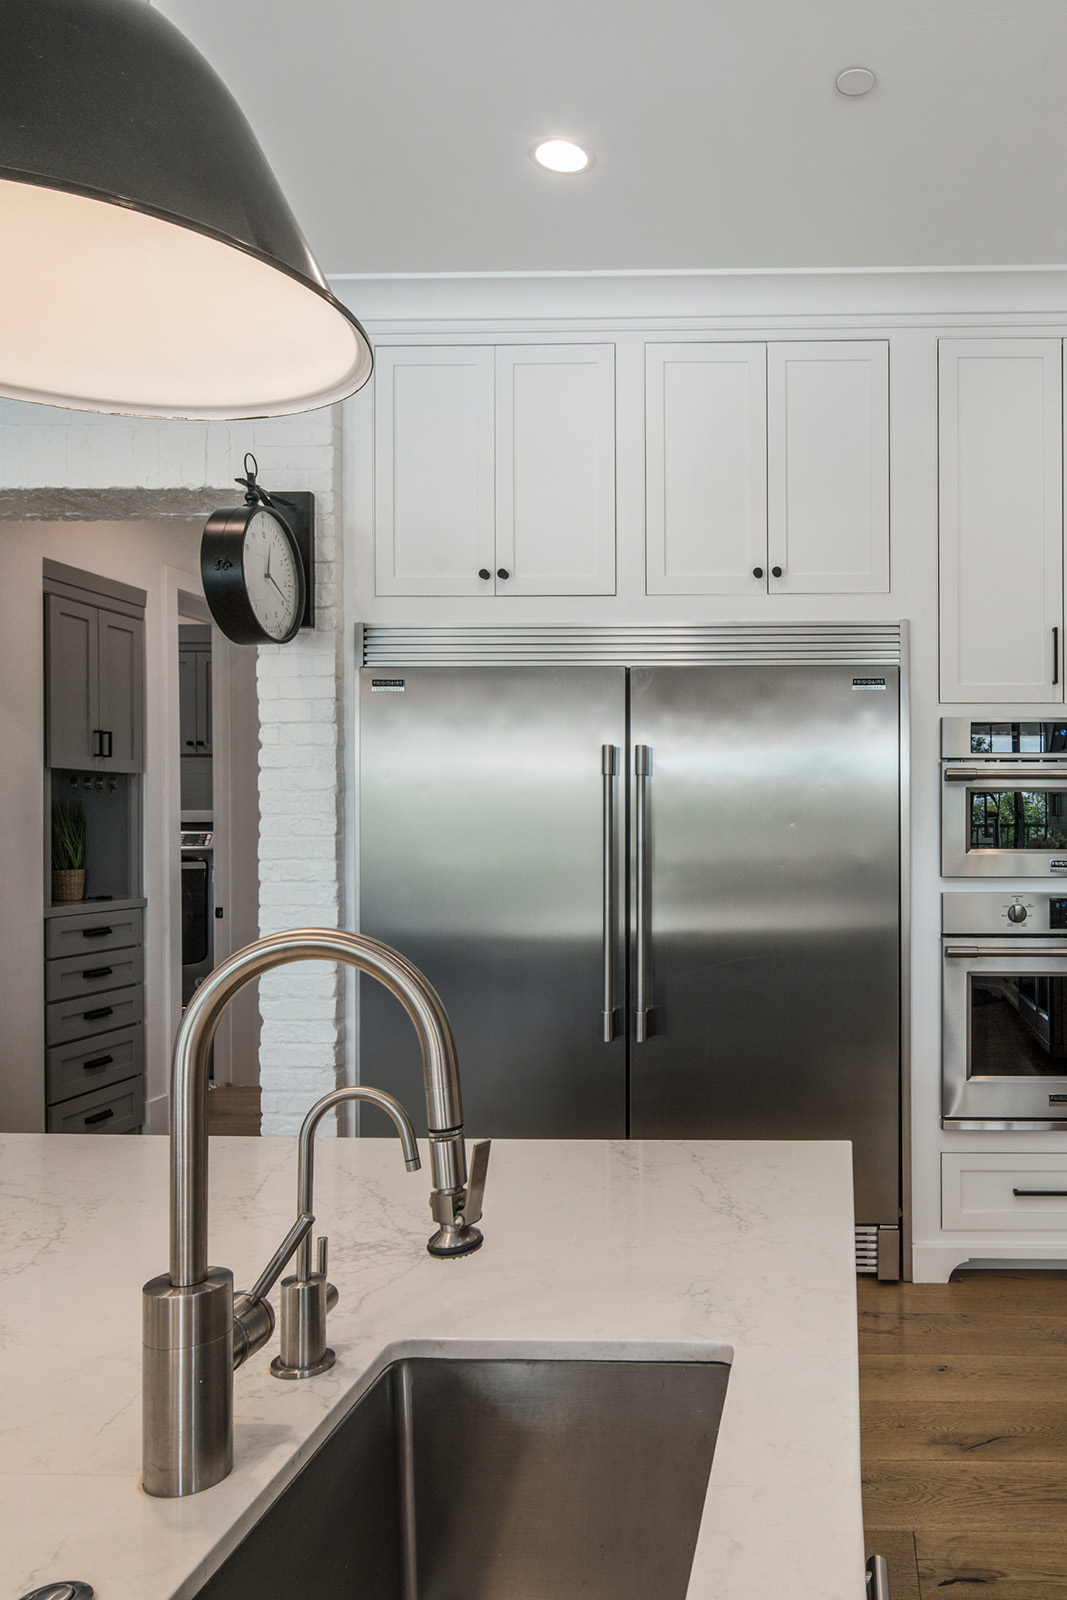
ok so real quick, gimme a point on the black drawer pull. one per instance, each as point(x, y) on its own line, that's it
point(1061, 1194)
point(101, 1011)
point(96, 1063)
point(96, 933)
point(101, 1116)
point(98, 972)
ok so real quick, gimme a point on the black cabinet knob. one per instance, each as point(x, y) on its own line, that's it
point(757, 572)
point(776, 572)
point(483, 572)
point(190, 742)
point(502, 572)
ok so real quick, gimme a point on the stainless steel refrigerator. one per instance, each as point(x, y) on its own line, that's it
point(657, 901)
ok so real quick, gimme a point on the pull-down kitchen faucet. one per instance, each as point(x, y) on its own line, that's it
point(195, 1333)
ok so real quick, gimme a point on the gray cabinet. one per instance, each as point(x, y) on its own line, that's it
point(94, 687)
point(94, 1021)
point(194, 700)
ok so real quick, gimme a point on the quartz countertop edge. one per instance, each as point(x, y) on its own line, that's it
point(710, 1247)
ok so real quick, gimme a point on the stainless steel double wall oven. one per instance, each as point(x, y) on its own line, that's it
point(655, 877)
point(1004, 952)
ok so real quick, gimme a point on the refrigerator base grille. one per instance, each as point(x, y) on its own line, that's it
point(867, 1251)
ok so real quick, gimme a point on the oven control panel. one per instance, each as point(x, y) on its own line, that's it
point(1005, 913)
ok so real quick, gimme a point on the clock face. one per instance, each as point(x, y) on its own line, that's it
point(271, 576)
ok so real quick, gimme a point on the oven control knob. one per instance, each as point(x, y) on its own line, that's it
point(1017, 912)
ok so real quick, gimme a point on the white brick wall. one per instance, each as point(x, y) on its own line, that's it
point(299, 691)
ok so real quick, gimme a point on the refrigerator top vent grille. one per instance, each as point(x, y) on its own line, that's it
point(869, 644)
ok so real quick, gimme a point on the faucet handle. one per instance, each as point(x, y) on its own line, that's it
point(472, 1204)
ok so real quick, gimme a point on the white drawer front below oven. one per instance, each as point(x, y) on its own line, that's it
point(1004, 1193)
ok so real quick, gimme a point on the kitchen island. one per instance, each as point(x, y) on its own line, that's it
point(746, 1245)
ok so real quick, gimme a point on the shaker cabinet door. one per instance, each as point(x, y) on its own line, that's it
point(434, 471)
point(71, 646)
point(555, 469)
point(1001, 519)
point(706, 465)
point(828, 467)
point(121, 654)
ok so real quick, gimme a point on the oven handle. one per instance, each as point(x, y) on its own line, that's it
point(1014, 951)
point(1001, 777)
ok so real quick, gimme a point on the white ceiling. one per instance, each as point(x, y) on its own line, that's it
point(401, 131)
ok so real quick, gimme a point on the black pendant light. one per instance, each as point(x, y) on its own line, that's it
point(149, 263)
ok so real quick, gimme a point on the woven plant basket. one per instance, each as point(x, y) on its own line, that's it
point(68, 885)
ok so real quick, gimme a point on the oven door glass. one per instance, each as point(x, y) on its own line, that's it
point(1016, 1026)
point(1004, 1035)
point(1016, 819)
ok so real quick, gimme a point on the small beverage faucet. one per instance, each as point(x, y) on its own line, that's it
point(195, 1331)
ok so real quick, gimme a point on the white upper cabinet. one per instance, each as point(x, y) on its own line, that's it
point(433, 470)
point(555, 469)
point(1001, 519)
point(495, 470)
point(705, 452)
point(828, 467)
point(767, 468)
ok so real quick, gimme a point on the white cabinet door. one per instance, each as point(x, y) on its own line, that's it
point(555, 469)
point(828, 467)
point(1001, 521)
point(706, 454)
point(434, 476)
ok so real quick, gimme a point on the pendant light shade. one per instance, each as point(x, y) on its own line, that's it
point(149, 263)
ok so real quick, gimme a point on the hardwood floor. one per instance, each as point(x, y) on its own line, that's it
point(233, 1108)
point(963, 1398)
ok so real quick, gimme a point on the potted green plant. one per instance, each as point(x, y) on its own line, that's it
point(68, 851)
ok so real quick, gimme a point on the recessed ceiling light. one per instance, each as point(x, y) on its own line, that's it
point(856, 80)
point(561, 155)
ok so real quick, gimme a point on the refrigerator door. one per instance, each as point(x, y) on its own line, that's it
point(483, 855)
point(768, 883)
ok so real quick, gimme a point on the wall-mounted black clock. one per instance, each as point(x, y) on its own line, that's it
point(257, 565)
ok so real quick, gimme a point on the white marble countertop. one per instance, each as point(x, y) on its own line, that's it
point(748, 1244)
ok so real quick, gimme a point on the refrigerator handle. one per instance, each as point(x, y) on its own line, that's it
point(643, 775)
point(609, 1016)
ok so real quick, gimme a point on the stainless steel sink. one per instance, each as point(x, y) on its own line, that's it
point(497, 1479)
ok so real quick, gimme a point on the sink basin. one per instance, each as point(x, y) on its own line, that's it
point(503, 1478)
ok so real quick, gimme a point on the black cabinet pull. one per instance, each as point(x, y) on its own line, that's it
point(502, 572)
point(97, 972)
point(96, 1063)
point(483, 572)
point(101, 1116)
point(199, 742)
point(190, 743)
point(1055, 655)
point(101, 1011)
point(1060, 1194)
point(757, 572)
point(103, 741)
point(96, 933)
point(776, 572)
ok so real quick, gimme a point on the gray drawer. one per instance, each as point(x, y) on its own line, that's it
point(97, 1013)
point(118, 1109)
point(91, 973)
point(93, 931)
point(92, 1064)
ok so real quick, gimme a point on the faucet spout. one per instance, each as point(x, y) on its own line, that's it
point(189, 1080)
point(188, 1313)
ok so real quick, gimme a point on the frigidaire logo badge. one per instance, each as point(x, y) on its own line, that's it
point(868, 683)
point(1057, 1099)
point(1057, 864)
point(396, 686)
